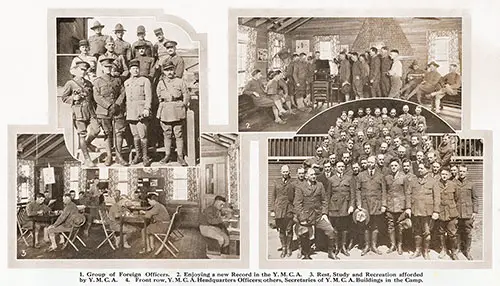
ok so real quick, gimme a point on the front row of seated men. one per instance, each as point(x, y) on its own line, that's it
point(344, 201)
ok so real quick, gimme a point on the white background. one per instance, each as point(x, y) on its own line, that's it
point(24, 89)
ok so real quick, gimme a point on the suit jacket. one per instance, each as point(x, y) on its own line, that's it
point(310, 202)
point(282, 198)
point(448, 193)
point(398, 192)
point(371, 192)
point(425, 196)
point(342, 194)
point(467, 198)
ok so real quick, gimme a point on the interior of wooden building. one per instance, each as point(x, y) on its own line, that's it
point(267, 44)
point(187, 189)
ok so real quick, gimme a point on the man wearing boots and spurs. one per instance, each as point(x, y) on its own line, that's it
point(468, 206)
point(311, 206)
point(398, 201)
point(447, 224)
point(371, 195)
point(138, 95)
point(109, 94)
point(425, 205)
point(174, 101)
point(341, 205)
point(282, 198)
point(78, 93)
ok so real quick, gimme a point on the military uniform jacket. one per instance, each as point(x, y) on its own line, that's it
point(407, 118)
point(83, 109)
point(282, 198)
point(178, 62)
point(385, 64)
point(425, 196)
point(398, 192)
point(371, 192)
point(467, 198)
point(448, 200)
point(69, 216)
point(324, 179)
point(301, 72)
point(124, 49)
point(159, 50)
point(310, 202)
point(314, 160)
point(120, 63)
point(174, 99)
point(445, 153)
point(147, 66)
point(345, 71)
point(108, 91)
point(138, 95)
point(375, 68)
point(149, 48)
point(342, 194)
point(97, 44)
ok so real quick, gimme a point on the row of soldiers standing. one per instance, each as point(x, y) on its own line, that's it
point(114, 87)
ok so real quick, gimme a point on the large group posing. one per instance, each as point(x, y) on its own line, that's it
point(117, 85)
point(374, 73)
point(377, 173)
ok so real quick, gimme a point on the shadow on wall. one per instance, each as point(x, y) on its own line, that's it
point(322, 122)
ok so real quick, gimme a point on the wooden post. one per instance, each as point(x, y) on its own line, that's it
point(191, 139)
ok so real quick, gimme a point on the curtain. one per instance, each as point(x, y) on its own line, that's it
point(234, 166)
point(335, 41)
point(82, 176)
point(132, 180)
point(192, 183)
point(168, 174)
point(273, 49)
point(251, 55)
point(453, 47)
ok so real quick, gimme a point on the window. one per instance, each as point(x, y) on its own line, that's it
point(242, 58)
point(442, 54)
point(180, 184)
point(277, 63)
point(122, 184)
point(74, 180)
point(325, 50)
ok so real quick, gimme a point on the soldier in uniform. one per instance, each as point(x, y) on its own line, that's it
point(325, 175)
point(78, 93)
point(447, 227)
point(119, 64)
point(289, 77)
point(98, 40)
point(345, 73)
point(174, 58)
point(301, 80)
point(282, 209)
point(445, 150)
point(375, 73)
point(341, 205)
point(425, 205)
point(109, 94)
point(147, 65)
point(398, 201)
point(318, 159)
point(429, 84)
point(385, 66)
point(468, 207)
point(138, 103)
point(159, 50)
point(174, 101)
point(371, 196)
point(357, 77)
point(34, 208)
point(122, 47)
point(141, 37)
point(311, 206)
point(84, 56)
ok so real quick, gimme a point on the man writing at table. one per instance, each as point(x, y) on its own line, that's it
point(212, 225)
point(159, 221)
point(69, 216)
point(34, 208)
point(113, 219)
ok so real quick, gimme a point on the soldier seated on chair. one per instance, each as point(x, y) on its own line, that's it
point(37, 207)
point(159, 220)
point(212, 225)
point(68, 218)
point(113, 220)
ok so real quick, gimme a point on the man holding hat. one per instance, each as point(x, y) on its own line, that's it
point(138, 96)
point(429, 83)
point(147, 65)
point(78, 93)
point(174, 101)
point(122, 47)
point(84, 56)
point(141, 35)
point(173, 57)
point(98, 40)
point(282, 197)
point(119, 64)
point(109, 94)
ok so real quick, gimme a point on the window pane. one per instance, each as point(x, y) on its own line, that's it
point(325, 50)
point(122, 174)
point(123, 187)
point(209, 179)
point(180, 190)
point(180, 173)
point(73, 186)
point(73, 173)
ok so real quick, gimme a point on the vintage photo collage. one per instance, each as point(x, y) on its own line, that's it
point(366, 153)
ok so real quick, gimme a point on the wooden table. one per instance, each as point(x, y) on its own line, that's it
point(135, 219)
point(49, 218)
point(234, 236)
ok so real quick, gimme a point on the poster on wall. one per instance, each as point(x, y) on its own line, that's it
point(48, 176)
point(302, 46)
point(262, 55)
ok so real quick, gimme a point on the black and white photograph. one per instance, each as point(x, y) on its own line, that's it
point(366, 186)
point(67, 211)
point(315, 63)
point(128, 91)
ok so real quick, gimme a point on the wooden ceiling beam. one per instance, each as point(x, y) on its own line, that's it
point(287, 23)
point(296, 25)
point(38, 145)
point(51, 147)
point(274, 21)
point(260, 22)
point(246, 20)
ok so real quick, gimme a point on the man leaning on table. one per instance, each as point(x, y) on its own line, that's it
point(70, 216)
point(212, 225)
point(159, 220)
point(37, 207)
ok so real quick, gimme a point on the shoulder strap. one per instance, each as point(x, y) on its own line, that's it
point(77, 83)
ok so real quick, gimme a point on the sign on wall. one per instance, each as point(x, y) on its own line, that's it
point(302, 46)
point(48, 176)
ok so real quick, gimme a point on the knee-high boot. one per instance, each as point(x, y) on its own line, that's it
point(118, 149)
point(343, 249)
point(418, 247)
point(374, 242)
point(145, 158)
point(467, 244)
point(366, 249)
point(399, 239)
point(392, 238)
point(167, 142)
point(83, 146)
point(442, 245)
point(425, 249)
point(283, 245)
point(179, 142)
point(138, 151)
point(108, 144)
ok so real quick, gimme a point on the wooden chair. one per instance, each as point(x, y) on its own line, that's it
point(22, 219)
point(175, 228)
point(108, 233)
point(72, 235)
point(164, 238)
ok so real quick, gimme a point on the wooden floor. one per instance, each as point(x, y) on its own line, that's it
point(191, 246)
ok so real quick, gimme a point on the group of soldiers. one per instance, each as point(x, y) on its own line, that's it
point(373, 174)
point(118, 86)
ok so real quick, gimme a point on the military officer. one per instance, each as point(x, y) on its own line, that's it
point(311, 206)
point(159, 50)
point(398, 201)
point(138, 103)
point(371, 195)
point(109, 94)
point(119, 64)
point(341, 205)
point(425, 205)
point(301, 80)
point(98, 40)
point(325, 175)
point(345, 73)
point(78, 93)
point(84, 56)
point(282, 208)
point(174, 58)
point(122, 47)
point(174, 101)
point(445, 150)
point(468, 207)
point(141, 37)
point(447, 224)
point(147, 65)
